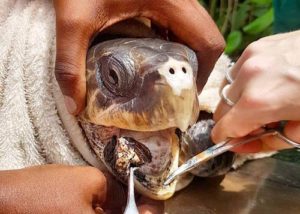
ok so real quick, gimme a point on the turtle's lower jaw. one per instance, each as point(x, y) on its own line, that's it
point(155, 153)
point(164, 148)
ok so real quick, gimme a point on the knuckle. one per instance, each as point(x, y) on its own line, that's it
point(215, 43)
point(252, 100)
point(252, 68)
point(219, 44)
point(252, 49)
point(212, 50)
point(291, 74)
point(66, 72)
point(72, 23)
point(216, 49)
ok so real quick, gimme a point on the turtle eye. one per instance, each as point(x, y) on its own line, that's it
point(116, 76)
point(113, 77)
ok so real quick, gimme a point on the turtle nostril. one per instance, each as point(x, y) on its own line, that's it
point(184, 70)
point(172, 71)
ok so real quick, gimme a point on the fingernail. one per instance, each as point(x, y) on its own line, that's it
point(70, 104)
point(212, 135)
point(98, 210)
point(212, 132)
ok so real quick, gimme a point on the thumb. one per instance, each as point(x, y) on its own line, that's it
point(116, 195)
point(71, 47)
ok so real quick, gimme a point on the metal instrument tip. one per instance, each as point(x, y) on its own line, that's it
point(131, 207)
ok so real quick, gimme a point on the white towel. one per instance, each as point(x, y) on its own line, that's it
point(31, 131)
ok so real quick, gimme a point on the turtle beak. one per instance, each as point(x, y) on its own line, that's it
point(177, 88)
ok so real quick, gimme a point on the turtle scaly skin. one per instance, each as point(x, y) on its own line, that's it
point(139, 91)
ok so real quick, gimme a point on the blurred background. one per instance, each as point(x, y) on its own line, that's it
point(244, 21)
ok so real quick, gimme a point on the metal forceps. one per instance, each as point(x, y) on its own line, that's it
point(131, 207)
point(223, 147)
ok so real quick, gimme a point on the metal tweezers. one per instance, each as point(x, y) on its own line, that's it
point(223, 147)
point(131, 207)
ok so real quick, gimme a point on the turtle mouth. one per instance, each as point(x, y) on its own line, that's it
point(122, 153)
point(155, 153)
point(164, 148)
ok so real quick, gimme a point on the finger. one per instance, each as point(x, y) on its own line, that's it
point(291, 131)
point(116, 195)
point(250, 51)
point(234, 72)
point(100, 190)
point(252, 147)
point(272, 143)
point(71, 47)
point(237, 66)
point(240, 120)
point(232, 92)
point(251, 110)
point(198, 31)
point(99, 210)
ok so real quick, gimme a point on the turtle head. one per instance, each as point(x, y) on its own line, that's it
point(139, 91)
point(142, 85)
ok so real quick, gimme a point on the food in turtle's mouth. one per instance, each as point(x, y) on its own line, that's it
point(164, 149)
point(124, 152)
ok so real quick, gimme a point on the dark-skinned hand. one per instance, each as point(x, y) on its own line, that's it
point(78, 21)
point(66, 189)
point(52, 189)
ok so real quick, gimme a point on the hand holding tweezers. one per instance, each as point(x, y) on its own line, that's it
point(223, 147)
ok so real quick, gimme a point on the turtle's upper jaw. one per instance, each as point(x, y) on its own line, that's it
point(161, 104)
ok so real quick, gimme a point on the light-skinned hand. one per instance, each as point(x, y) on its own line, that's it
point(266, 89)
